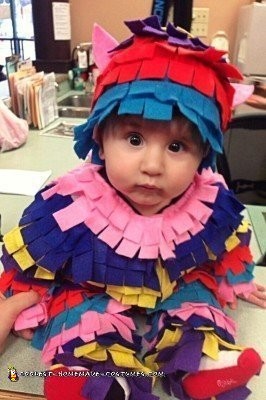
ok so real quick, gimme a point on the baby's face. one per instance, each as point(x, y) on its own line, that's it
point(150, 162)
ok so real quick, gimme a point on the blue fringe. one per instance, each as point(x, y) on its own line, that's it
point(153, 99)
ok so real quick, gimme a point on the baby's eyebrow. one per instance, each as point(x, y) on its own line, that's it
point(184, 133)
point(132, 125)
point(183, 136)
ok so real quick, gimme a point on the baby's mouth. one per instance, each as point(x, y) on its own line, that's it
point(148, 187)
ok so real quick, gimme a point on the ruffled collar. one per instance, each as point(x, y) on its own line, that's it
point(111, 218)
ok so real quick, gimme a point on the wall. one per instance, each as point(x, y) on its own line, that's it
point(111, 14)
point(222, 16)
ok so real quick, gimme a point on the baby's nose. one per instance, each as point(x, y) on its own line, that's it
point(153, 162)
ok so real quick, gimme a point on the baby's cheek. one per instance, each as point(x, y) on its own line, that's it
point(116, 178)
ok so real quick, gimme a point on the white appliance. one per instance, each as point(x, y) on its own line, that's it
point(250, 45)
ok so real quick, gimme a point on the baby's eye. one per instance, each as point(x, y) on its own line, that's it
point(135, 139)
point(176, 147)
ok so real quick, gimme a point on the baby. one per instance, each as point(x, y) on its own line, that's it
point(148, 227)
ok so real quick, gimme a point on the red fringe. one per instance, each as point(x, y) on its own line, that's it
point(146, 59)
point(6, 280)
point(233, 260)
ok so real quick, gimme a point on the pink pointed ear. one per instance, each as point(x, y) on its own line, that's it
point(242, 93)
point(102, 42)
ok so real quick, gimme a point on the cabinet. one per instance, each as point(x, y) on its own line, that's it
point(51, 55)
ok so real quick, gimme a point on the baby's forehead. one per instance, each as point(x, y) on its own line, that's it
point(177, 121)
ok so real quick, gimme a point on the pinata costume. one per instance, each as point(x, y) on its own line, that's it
point(97, 262)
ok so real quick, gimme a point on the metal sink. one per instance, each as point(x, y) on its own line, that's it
point(75, 106)
point(73, 112)
point(77, 100)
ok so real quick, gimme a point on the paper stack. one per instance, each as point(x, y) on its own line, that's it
point(33, 96)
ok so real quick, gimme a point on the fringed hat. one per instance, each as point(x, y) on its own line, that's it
point(156, 71)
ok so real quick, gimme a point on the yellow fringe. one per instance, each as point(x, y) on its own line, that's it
point(13, 240)
point(122, 356)
point(23, 258)
point(211, 345)
point(42, 273)
point(167, 287)
point(127, 295)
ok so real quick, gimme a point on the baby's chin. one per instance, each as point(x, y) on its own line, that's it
point(147, 208)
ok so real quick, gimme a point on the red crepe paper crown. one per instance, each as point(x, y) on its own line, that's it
point(153, 53)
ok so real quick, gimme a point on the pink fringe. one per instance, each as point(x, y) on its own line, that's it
point(97, 204)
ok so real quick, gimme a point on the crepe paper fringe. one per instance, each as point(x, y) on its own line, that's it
point(32, 317)
point(110, 340)
point(195, 294)
point(140, 387)
point(6, 280)
point(121, 356)
point(107, 215)
point(11, 283)
point(182, 355)
point(206, 311)
point(164, 321)
point(192, 292)
point(69, 305)
point(88, 326)
point(246, 277)
point(230, 293)
point(8, 263)
point(97, 388)
point(152, 100)
point(66, 313)
point(235, 263)
point(151, 26)
point(53, 304)
point(179, 349)
point(174, 55)
point(141, 297)
point(171, 383)
point(198, 322)
point(205, 217)
point(89, 320)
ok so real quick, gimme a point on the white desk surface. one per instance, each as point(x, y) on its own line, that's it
point(44, 152)
point(39, 153)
